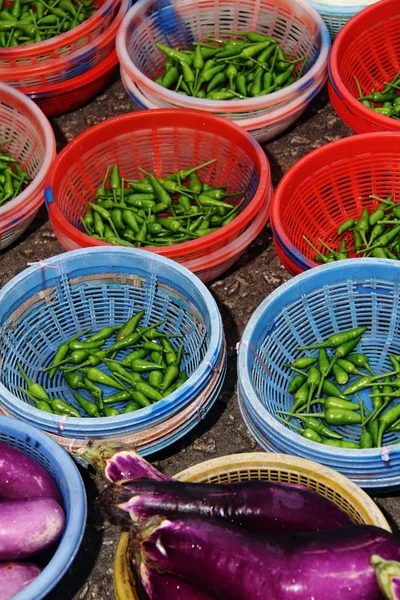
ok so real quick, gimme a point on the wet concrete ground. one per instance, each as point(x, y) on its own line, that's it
point(238, 293)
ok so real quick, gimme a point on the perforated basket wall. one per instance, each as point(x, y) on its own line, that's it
point(44, 306)
point(367, 48)
point(258, 466)
point(336, 16)
point(41, 448)
point(33, 145)
point(65, 96)
point(330, 185)
point(295, 24)
point(306, 310)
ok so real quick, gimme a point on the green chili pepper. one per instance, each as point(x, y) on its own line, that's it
point(313, 381)
point(97, 376)
point(364, 382)
point(309, 434)
point(175, 55)
point(296, 384)
point(34, 389)
point(90, 409)
point(130, 326)
point(131, 407)
point(366, 439)
point(302, 363)
point(122, 396)
point(59, 406)
point(336, 416)
point(40, 404)
point(360, 360)
point(103, 334)
point(313, 423)
point(148, 391)
point(340, 375)
point(132, 338)
point(346, 226)
point(337, 339)
point(349, 367)
point(332, 402)
point(340, 444)
point(331, 390)
point(386, 420)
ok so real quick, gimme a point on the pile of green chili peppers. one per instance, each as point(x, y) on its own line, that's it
point(375, 233)
point(149, 372)
point(249, 66)
point(156, 211)
point(312, 385)
point(386, 102)
point(30, 21)
point(13, 179)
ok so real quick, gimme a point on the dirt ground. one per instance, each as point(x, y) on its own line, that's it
point(238, 293)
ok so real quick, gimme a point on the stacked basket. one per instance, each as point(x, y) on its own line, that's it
point(34, 146)
point(163, 141)
point(366, 50)
point(306, 310)
point(66, 71)
point(293, 23)
point(327, 186)
point(51, 302)
point(336, 16)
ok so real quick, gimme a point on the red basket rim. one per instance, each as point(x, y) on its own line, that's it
point(53, 66)
point(38, 48)
point(235, 132)
point(365, 19)
point(361, 142)
point(76, 82)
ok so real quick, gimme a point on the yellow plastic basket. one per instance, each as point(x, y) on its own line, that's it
point(266, 467)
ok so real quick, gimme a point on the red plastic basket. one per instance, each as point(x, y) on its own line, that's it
point(69, 95)
point(69, 66)
point(63, 44)
point(161, 141)
point(368, 48)
point(328, 186)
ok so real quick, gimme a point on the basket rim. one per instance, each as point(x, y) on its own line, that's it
point(27, 197)
point(63, 38)
point(74, 530)
point(265, 120)
point(282, 189)
point(244, 376)
point(344, 37)
point(165, 115)
point(198, 377)
point(65, 61)
point(225, 105)
point(69, 85)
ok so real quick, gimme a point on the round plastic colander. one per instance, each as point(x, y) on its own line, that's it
point(33, 145)
point(306, 310)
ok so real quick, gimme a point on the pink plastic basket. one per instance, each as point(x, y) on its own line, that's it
point(33, 145)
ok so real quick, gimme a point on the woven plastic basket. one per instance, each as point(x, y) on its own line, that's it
point(336, 17)
point(67, 66)
point(294, 23)
point(61, 45)
point(265, 467)
point(328, 186)
point(33, 145)
point(368, 49)
point(49, 303)
point(161, 141)
point(41, 448)
point(306, 310)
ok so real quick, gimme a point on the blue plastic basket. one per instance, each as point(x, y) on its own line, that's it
point(41, 448)
point(52, 301)
point(336, 16)
point(306, 310)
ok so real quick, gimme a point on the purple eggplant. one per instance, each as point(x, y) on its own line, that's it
point(260, 506)
point(115, 464)
point(229, 562)
point(160, 586)
point(14, 577)
point(23, 477)
point(29, 526)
